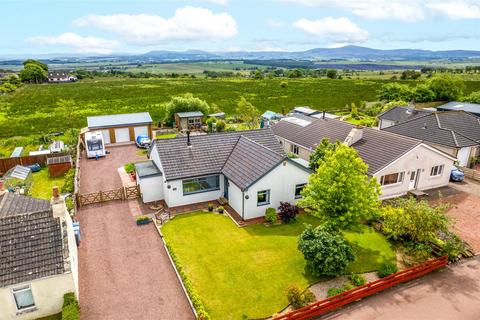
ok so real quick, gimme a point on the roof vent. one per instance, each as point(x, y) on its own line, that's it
point(188, 139)
point(354, 136)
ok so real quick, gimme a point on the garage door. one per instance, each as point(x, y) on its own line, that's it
point(122, 135)
point(106, 136)
point(463, 155)
point(140, 131)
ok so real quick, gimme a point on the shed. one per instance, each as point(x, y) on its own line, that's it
point(149, 178)
point(125, 127)
point(58, 166)
point(57, 146)
point(191, 120)
point(270, 115)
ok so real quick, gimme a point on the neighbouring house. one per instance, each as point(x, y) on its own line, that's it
point(454, 132)
point(60, 76)
point(117, 128)
point(248, 168)
point(58, 166)
point(398, 115)
point(472, 108)
point(400, 164)
point(191, 120)
point(38, 256)
point(309, 112)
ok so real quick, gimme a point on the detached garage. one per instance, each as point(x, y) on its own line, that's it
point(118, 128)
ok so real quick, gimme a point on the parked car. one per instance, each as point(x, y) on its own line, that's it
point(456, 174)
point(143, 141)
point(35, 167)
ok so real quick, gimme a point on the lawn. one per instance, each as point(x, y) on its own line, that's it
point(246, 271)
point(166, 136)
point(42, 184)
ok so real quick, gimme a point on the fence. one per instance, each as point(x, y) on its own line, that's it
point(124, 193)
point(323, 306)
point(471, 173)
point(8, 163)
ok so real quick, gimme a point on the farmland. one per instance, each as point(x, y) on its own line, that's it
point(33, 109)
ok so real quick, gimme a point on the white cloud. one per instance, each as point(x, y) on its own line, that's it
point(456, 10)
point(221, 2)
point(338, 30)
point(78, 43)
point(187, 24)
point(272, 23)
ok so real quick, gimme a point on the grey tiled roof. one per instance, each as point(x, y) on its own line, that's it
point(248, 162)
point(400, 114)
point(207, 153)
point(31, 240)
point(449, 128)
point(190, 114)
point(117, 120)
point(377, 148)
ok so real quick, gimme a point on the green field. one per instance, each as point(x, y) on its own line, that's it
point(32, 108)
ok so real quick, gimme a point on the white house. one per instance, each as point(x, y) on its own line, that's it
point(399, 163)
point(248, 168)
point(38, 257)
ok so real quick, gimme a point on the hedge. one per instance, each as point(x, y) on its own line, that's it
point(70, 309)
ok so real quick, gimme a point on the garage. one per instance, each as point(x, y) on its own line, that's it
point(121, 128)
point(150, 181)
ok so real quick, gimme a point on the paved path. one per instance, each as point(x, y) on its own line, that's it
point(453, 293)
point(124, 270)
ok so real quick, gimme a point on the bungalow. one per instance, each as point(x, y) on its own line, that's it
point(60, 76)
point(248, 168)
point(188, 120)
point(454, 132)
point(398, 115)
point(400, 164)
point(38, 256)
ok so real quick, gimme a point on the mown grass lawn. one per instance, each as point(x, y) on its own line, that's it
point(42, 184)
point(246, 271)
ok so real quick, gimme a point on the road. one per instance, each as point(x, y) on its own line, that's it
point(453, 293)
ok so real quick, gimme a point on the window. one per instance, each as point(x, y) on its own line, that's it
point(194, 121)
point(202, 184)
point(294, 149)
point(263, 197)
point(436, 171)
point(94, 145)
point(391, 178)
point(298, 190)
point(23, 298)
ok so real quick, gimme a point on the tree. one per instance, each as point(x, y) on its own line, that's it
point(354, 111)
point(210, 122)
point(340, 193)
point(40, 64)
point(446, 87)
point(248, 113)
point(331, 73)
point(395, 91)
point(220, 126)
point(326, 253)
point(473, 97)
point(33, 73)
point(184, 103)
point(419, 222)
point(318, 155)
point(423, 93)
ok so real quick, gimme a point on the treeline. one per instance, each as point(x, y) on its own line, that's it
point(90, 74)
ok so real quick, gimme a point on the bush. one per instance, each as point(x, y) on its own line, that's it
point(210, 206)
point(299, 299)
point(333, 291)
point(220, 209)
point(357, 279)
point(287, 211)
point(387, 269)
point(209, 122)
point(129, 167)
point(70, 309)
point(69, 185)
point(221, 126)
point(270, 215)
point(143, 218)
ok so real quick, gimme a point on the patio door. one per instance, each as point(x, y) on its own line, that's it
point(413, 179)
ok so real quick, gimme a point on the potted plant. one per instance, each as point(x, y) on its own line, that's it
point(210, 207)
point(143, 220)
point(220, 209)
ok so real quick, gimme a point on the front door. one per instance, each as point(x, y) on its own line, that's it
point(413, 180)
point(225, 187)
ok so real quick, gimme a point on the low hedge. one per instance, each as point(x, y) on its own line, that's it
point(70, 309)
point(202, 313)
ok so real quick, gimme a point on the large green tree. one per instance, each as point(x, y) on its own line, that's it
point(340, 192)
point(32, 61)
point(446, 86)
point(395, 91)
point(34, 73)
point(184, 103)
point(318, 155)
point(473, 97)
point(326, 253)
point(248, 113)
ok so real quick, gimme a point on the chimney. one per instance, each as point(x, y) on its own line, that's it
point(323, 115)
point(58, 204)
point(188, 138)
point(354, 136)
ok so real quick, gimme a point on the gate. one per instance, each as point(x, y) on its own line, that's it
point(123, 193)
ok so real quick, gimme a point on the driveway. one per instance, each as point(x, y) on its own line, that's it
point(124, 269)
point(453, 293)
point(102, 174)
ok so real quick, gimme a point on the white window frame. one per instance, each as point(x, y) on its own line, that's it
point(27, 287)
point(267, 202)
point(437, 171)
point(301, 186)
point(400, 177)
point(295, 149)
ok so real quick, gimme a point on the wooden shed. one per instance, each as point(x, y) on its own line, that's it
point(188, 120)
point(58, 166)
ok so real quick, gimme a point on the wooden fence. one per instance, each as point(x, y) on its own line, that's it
point(8, 163)
point(123, 193)
point(323, 306)
point(471, 173)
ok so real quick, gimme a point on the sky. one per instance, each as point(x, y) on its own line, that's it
point(38, 27)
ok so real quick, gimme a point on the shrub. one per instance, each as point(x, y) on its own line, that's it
point(220, 209)
point(221, 126)
point(69, 185)
point(326, 254)
point(453, 246)
point(297, 298)
point(69, 203)
point(210, 206)
point(333, 291)
point(209, 122)
point(143, 218)
point(357, 279)
point(70, 310)
point(270, 215)
point(287, 212)
point(348, 286)
point(387, 269)
point(129, 167)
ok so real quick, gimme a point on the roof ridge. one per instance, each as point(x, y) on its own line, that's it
point(409, 120)
point(406, 138)
point(230, 154)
